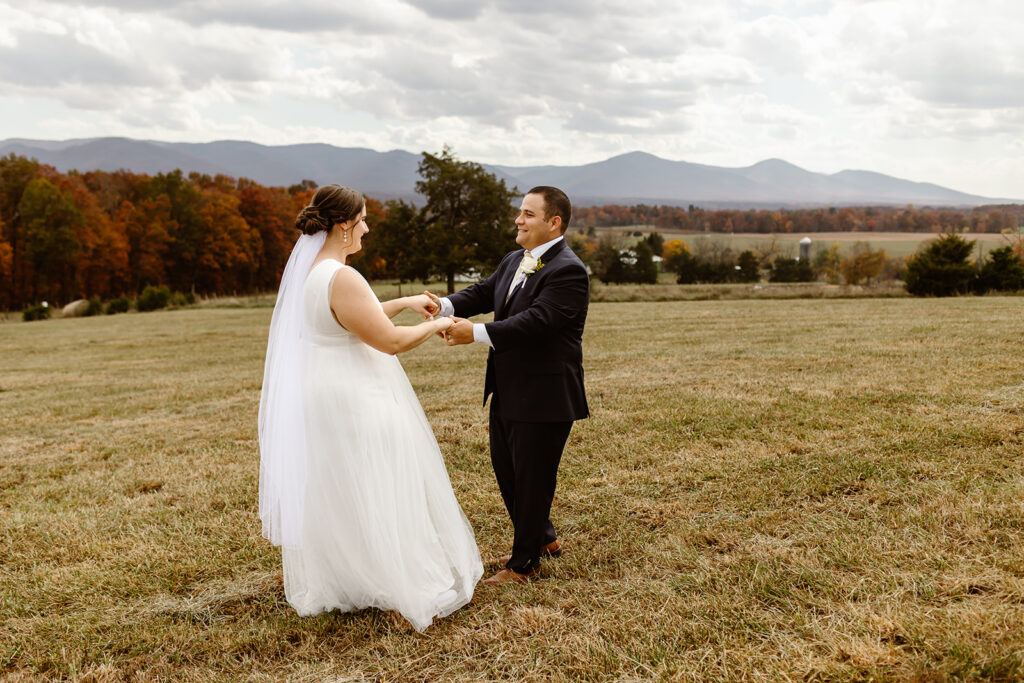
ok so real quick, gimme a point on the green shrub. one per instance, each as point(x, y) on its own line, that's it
point(941, 268)
point(36, 312)
point(692, 269)
point(656, 242)
point(791, 270)
point(643, 270)
point(748, 267)
point(685, 265)
point(119, 305)
point(153, 298)
point(95, 307)
point(179, 299)
point(1002, 272)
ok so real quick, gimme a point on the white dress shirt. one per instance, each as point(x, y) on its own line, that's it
point(480, 335)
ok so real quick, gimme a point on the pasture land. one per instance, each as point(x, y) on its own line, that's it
point(896, 244)
point(815, 489)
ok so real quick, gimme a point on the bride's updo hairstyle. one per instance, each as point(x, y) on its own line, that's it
point(332, 204)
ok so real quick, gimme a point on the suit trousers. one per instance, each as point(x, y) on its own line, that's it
point(525, 457)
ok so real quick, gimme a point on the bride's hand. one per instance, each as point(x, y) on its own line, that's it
point(434, 300)
point(443, 325)
point(424, 305)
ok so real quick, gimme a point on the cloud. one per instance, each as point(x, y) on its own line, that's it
point(459, 10)
point(501, 63)
point(594, 120)
point(48, 61)
point(297, 16)
point(954, 73)
point(292, 17)
point(776, 42)
point(757, 109)
point(727, 82)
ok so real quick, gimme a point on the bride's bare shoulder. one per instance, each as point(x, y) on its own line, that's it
point(348, 279)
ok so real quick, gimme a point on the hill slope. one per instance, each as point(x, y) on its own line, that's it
point(636, 177)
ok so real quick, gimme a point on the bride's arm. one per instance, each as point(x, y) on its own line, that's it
point(357, 309)
point(421, 303)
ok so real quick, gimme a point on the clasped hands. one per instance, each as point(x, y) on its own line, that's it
point(429, 305)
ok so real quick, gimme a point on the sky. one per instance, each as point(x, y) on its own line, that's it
point(928, 90)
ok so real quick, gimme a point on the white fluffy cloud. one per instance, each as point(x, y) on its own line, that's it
point(929, 90)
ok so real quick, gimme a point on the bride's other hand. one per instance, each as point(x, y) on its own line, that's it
point(424, 305)
point(434, 299)
point(443, 325)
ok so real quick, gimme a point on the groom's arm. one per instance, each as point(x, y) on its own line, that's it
point(558, 305)
point(478, 298)
point(462, 331)
point(465, 331)
point(472, 300)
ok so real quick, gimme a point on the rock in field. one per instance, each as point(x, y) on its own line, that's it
point(75, 308)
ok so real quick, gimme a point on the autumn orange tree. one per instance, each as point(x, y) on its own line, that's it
point(99, 234)
point(863, 264)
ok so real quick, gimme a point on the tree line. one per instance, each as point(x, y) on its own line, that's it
point(989, 219)
point(65, 236)
point(941, 267)
point(112, 235)
point(103, 235)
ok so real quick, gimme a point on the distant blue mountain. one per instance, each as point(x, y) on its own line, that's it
point(631, 178)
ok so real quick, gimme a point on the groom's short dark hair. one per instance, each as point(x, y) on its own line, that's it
point(556, 203)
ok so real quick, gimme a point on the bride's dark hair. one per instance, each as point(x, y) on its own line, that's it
point(332, 204)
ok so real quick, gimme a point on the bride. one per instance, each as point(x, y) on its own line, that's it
point(352, 484)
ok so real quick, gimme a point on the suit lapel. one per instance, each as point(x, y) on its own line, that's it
point(549, 256)
point(503, 284)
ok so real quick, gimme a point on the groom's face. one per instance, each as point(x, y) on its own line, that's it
point(534, 230)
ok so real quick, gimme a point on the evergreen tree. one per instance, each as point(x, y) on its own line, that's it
point(397, 241)
point(656, 242)
point(1002, 272)
point(643, 270)
point(941, 268)
point(608, 265)
point(791, 270)
point(749, 267)
point(687, 268)
point(468, 220)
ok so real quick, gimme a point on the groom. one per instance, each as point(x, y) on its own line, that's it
point(539, 296)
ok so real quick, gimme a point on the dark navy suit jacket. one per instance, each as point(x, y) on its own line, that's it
point(535, 367)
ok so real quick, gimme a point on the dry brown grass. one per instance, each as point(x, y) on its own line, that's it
point(814, 489)
point(667, 290)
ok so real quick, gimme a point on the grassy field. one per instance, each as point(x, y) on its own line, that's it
point(665, 289)
point(896, 244)
point(787, 489)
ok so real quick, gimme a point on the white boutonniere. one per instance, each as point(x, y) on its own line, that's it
point(531, 265)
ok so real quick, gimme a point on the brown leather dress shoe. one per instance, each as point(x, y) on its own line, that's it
point(509, 576)
point(553, 549)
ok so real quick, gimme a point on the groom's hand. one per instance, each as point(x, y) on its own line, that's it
point(461, 332)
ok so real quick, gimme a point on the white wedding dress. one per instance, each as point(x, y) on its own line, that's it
point(381, 526)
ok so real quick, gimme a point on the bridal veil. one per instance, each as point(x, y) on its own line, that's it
point(281, 432)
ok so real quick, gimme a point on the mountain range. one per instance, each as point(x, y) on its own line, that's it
point(633, 178)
